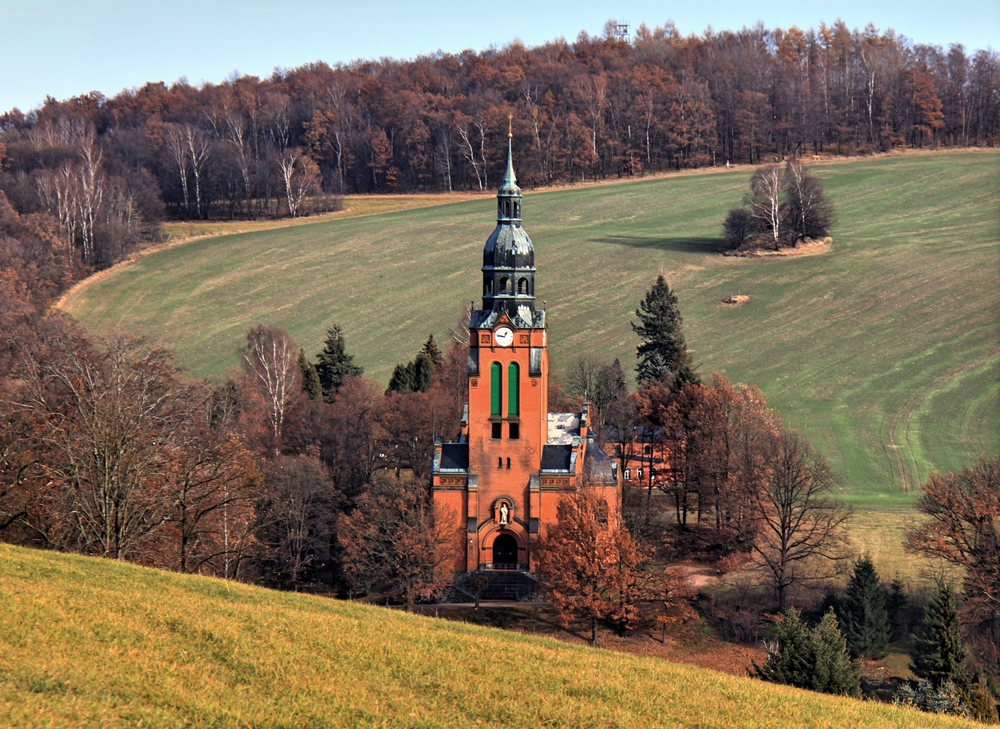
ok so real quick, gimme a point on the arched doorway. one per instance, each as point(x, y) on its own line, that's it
point(504, 551)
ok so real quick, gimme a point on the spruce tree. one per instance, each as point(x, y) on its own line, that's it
point(431, 350)
point(938, 653)
point(863, 614)
point(310, 378)
point(662, 354)
point(834, 672)
point(895, 605)
point(792, 663)
point(334, 363)
point(414, 376)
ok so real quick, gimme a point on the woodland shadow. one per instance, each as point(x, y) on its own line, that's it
point(677, 244)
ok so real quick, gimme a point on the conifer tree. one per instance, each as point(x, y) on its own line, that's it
point(938, 653)
point(430, 348)
point(792, 662)
point(310, 378)
point(334, 363)
point(895, 605)
point(863, 614)
point(834, 672)
point(663, 355)
point(414, 376)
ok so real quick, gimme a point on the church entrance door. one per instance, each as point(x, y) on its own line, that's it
point(504, 552)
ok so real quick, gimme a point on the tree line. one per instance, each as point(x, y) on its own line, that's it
point(111, 168)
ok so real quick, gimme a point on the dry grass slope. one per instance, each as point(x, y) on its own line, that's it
point(85, 642)
point(885, 351)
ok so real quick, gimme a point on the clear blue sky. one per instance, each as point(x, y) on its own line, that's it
point(63, 49)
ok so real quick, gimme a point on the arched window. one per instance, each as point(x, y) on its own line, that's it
point(522, 286)
point(496, 388)
point(513, 389)
point(487, 286)
point(504, 285)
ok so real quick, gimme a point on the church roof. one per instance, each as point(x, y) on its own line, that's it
point(563, 427)
point(557, 458)
point(454, 457)
point(597, 466)
point(506, 239)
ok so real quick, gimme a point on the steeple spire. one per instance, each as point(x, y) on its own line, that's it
point(509, 257)
point(510, 179)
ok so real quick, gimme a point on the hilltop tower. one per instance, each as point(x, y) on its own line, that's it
point(515, 460)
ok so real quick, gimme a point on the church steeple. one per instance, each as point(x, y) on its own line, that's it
point(509, 257)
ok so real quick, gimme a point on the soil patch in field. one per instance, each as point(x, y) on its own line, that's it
point(737, 300)
point(805, 247)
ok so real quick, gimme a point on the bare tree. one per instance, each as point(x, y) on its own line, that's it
point(766, 201)
point(800, 530)
point(269, 359)
point(808, 214)
point(111, 420)
point(300, 176)
point(298, 526)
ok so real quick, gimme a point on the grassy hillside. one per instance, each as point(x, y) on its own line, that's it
point(884, 352)
point(85, 642)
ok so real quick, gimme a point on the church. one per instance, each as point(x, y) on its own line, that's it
point(500, 486)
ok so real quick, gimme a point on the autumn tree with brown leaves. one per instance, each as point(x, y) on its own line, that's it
point(592, 569)
point(964, 530)
point(394, 542)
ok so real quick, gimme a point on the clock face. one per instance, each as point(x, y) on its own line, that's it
point(504, 337)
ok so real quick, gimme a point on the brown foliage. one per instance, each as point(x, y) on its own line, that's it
point(965, 530)
point(592, 568)
point(394, 542)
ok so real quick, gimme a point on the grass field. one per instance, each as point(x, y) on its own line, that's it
point(884, 352)
point(86, 642)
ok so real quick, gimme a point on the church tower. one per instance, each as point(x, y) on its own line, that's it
point(504, 478)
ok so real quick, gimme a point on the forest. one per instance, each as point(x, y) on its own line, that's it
point(110, 169)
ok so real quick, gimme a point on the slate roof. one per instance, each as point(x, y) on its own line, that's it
point(455, 457)
point(556, 457)
point(597, 468)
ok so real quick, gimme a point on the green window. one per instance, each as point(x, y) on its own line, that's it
point(496, 387)
point(513, 389)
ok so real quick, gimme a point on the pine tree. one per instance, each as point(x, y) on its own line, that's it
point(334, 363)
point(414, 376)
point(938, 653)
point(431, 350)
point(793, 661)
point(863, 614)
point(895, 605)
point(834, 672)
point(310, 378)
point(662, 354)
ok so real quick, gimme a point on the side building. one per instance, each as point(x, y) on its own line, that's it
point(501, 484)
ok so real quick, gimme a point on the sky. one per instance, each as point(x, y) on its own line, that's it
point(64, 49)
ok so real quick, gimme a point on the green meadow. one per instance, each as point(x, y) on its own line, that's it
point(94, 643)
point(884, 352)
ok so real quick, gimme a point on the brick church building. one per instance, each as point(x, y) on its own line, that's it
point(514, 462)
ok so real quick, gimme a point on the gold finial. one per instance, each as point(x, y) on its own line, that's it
point(510, 126)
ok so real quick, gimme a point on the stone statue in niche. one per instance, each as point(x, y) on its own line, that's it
point(504, 513)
